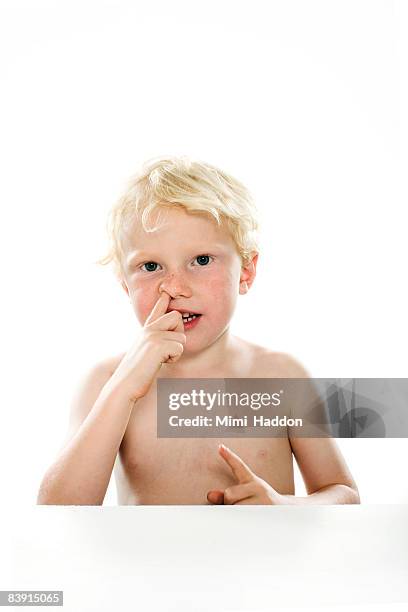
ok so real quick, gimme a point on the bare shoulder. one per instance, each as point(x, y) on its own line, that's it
point(95, 378)
point(100, 372)
point(274, 363)
point(287, 365)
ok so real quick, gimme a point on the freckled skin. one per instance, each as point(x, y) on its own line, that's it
point(211, 289)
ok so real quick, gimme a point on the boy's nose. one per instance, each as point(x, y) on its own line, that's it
point(175, 285)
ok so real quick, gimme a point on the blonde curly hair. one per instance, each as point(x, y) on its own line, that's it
point(198, 187)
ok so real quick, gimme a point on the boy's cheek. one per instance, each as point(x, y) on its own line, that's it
point(218, 294)
point(224, 287)
point(143, 302)
point(222, 294)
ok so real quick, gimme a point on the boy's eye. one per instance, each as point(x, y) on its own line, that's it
point(148, 264)
point(203, 260)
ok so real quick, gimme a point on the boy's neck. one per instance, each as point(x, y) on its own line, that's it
point(211, 360)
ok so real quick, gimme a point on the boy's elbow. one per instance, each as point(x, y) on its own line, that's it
point(44, 501)
point(45, 497)
point(355, 496)
point(50, 493)
point(43, 493)
point(51, 496)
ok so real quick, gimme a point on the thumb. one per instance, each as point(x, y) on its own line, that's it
point(216, 497)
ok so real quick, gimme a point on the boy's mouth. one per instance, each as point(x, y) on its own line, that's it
point(188, 316)
point(190, 321)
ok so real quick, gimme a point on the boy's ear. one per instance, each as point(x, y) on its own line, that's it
point(248, 273)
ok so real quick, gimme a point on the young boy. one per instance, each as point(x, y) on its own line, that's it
point(200, 254)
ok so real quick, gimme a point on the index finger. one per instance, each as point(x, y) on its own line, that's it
point(159, 309)
point(239, 468)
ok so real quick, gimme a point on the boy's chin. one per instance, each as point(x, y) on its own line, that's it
point(196, 343)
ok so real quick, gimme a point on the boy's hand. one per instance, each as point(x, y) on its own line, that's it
point(250, 488)
point(161, 340)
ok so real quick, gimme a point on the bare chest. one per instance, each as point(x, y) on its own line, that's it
point(152, 470)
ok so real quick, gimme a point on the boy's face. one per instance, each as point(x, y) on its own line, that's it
point(196, 262)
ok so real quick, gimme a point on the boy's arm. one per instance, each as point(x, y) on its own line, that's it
point(99, 416)
point(325, 473)
point(101, 410)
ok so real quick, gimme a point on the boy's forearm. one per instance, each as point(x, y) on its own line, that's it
point(332, 494)
point(81, 474)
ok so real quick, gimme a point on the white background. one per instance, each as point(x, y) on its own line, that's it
point(303, 101)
